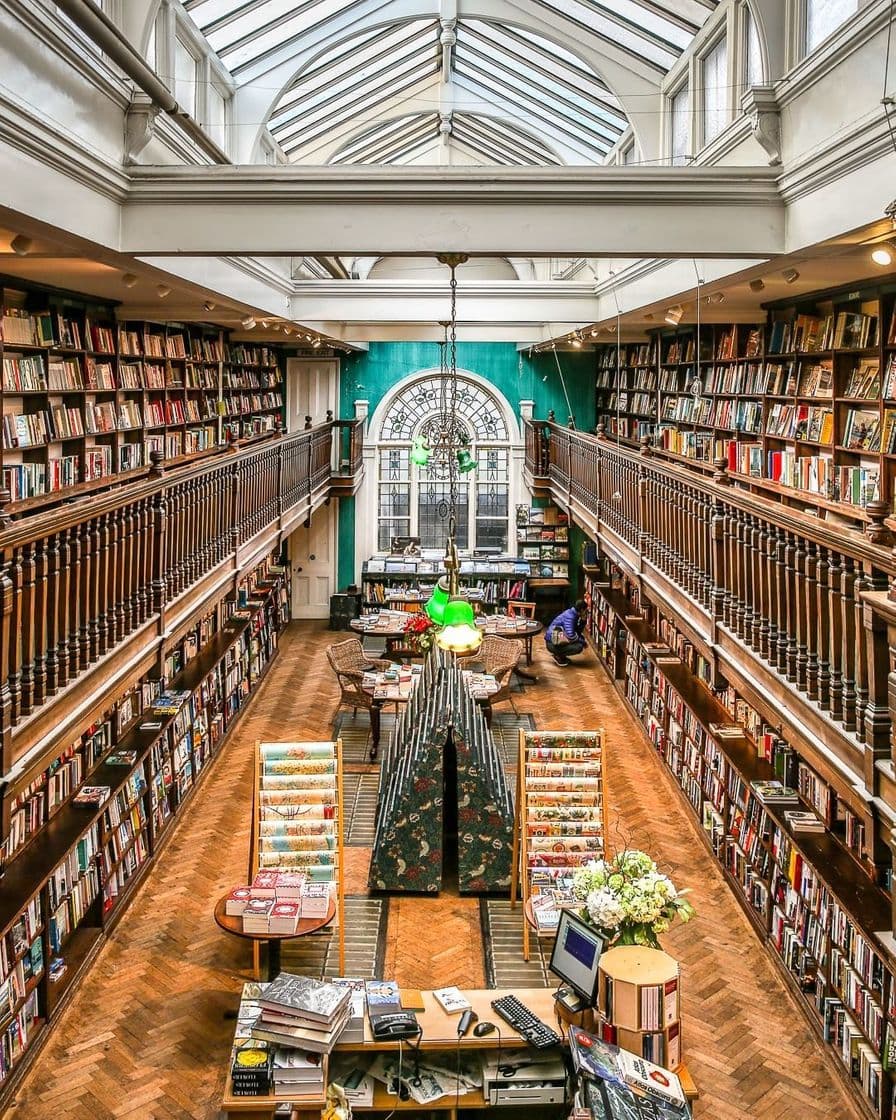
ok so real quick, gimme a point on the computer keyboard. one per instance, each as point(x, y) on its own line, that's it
point(524, 1022)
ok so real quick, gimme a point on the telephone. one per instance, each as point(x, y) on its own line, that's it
point(398, 1024)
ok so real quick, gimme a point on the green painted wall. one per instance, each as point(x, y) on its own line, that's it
point(376, 372)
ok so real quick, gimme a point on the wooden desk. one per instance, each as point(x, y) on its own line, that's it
point(439, 1033)
point(231, 924)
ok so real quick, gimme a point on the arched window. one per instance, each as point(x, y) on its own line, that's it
point(412, 501)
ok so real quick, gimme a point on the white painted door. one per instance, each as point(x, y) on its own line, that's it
point(312, 386)
point(312, 554)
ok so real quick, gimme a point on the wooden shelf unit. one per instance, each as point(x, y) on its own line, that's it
point(809, 896)
point(77, 867)
point(639, 1003)
point(86, 398)
point(786, 404)
point(486, 586)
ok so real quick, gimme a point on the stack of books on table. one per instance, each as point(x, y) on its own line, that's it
point(252, 1065)
point(614, 1084)
point(276, 901)
point(302, 1013)
point(354, 1028)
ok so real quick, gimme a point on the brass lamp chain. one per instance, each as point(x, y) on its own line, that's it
point(452, 406)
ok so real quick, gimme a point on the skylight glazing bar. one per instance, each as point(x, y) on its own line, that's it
point(505, 134)
point(522, 149)
point(377, 148)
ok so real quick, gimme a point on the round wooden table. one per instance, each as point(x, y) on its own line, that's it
point(234, 924)
point(524, 629)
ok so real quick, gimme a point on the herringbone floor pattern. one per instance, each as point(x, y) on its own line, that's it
point(146, 1036)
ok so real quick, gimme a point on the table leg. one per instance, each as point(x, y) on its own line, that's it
point(375, 710)
point(529, 650)
point(273, 959)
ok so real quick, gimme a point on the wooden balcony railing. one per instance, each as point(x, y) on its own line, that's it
point(79, 581)
point(348, 446)
point(782, 601)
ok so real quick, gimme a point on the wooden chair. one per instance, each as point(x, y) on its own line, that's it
point(499, 657)
point(349, 662)
point(517, 608)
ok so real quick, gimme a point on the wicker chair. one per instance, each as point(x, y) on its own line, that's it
point(499, 657)
point(349, 662)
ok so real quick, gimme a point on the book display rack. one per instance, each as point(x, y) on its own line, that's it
point(805, 403)
point(639, 1003)
point(542, 537)
point(86, 397)
point(81, 832)
point(417, 772)
point(810, 895)
point(298, 818)
point(561, 820)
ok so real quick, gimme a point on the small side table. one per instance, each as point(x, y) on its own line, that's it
point(234, 924)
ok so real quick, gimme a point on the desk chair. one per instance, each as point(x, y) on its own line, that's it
point(499, 657)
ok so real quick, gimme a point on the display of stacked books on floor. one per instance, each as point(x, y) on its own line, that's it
point(302, 1013)
point(260, 1068)
point(298, 828)
point(614, 1084)
point(276, 901)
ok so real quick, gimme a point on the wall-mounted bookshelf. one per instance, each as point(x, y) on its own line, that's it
point(812, 896)
point(542, 538)
point(86, 397)
point(72, 857)
point(805, 403)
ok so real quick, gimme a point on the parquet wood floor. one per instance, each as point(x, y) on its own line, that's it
point(145, 1037)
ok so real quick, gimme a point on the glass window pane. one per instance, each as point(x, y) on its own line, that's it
point(491, 501)
point(395, 500)
point(432, 520)
point(184, 77)
point(491, 534)
point(151, 49)
point(681, 126)
point(395, 464)
point(715, 91)
point(397, 527)
point(216, 124)
point(753, 74)
point(823, 17)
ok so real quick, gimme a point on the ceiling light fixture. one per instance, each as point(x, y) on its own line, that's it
point(884, 254)
point(128, 279)
point(162, 291)
point(594, 332)
point(315, 344)
point(673, 315)
point(790, 275)
point(247, 322)
point(577, 341)
point(264, 324)
point(21, 245)
point(757, 285)
point(208, 305)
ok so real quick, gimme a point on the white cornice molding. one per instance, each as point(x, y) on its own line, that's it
point(742, 185)
point(736, 133)
point(261, 269)
point(24, 131)
point(867, 141)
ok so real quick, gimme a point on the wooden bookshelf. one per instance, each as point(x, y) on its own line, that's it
point(76, 867)
point(86, 397)
point(810, 896)
point(804, 404)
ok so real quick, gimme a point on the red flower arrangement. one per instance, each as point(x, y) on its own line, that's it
point(421, 631)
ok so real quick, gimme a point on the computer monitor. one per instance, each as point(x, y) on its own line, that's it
point(575, 957)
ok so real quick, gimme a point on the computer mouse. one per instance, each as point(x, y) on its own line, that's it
point(483, 1028)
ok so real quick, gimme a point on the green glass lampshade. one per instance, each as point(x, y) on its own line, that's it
point(437, 602)
point(465, 461)
point(458, 612)
point(419, 452)
point(459, 639)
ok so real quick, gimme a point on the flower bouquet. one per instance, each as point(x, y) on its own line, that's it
point(420, 631)
point(628, 899)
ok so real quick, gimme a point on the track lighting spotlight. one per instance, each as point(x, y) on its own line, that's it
point(128, 279)
point(674, 314)
point(21, 245)
point(208, 305)
point(594, 332)
point(757, 285)
point(790, 275)
point(884, 254)
point(162, 290)
point(264, 324)
point(315, 345)
point(247, 323)
point(287, 329)
point(577, 341)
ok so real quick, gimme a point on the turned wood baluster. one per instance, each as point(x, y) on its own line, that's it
point(706, 563)
point(41, 572)
point(63, 609)
point(802, 620)
point(742, 605)
point(14, 643)
point(863, 583)
point(823, 629)
point(29, 573)
point(77, 631)
point(876, 726)
point(752, 605)
point(158, 553)
point(781, 581)
point(142, 560)
point(849, 584)
point(729, 545)
point(172, 556)
point(812, 621)
point(104, 601)
point(207, 556)
point(54, 578)
point(765, 576)
point(191, 534)
point(697, 531)
point(835, 613)
point(6, 710)
point(129, 591)
point(792, 610)
point(92, 603)
point(122, 588)
point(113, 580)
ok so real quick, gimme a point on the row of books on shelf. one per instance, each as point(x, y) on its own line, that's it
point(68, 331)
point(843, 330)
point(753, 827)
point(381, 564)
